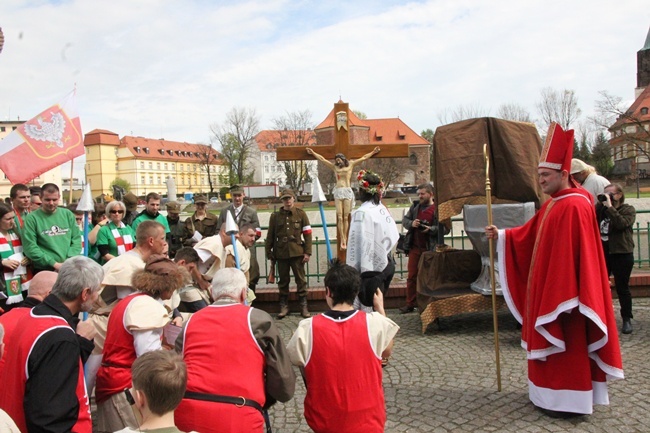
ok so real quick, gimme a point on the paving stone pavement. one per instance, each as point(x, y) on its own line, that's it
point(445, 381)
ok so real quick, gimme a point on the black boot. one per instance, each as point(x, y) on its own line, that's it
point(304, 311)
point(627, 326)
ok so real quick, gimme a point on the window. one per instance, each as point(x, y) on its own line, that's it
point(157, 166)
point(146, 150)
point(116, 167)
point(13, 128)
point(180, 167)
point(150, 180)
point(142, 165)
point(2, 129)
point(173, 166)
point(159, 179)
point(413, 159)
point(644, 111)
point(150, 165)
point(266, 157)
point(165, 166)
point(137, 149)
point(266, 168)
point(142, 180)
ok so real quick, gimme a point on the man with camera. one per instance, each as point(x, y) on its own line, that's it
point(616, 218)
point(421, 222)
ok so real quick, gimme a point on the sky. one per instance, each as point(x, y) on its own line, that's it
point(170, 69)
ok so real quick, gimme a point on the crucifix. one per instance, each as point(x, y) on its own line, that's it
point(342, 147)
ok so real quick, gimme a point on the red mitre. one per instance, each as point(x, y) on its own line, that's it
point(558, 149)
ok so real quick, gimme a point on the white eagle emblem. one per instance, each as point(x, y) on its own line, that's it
point(48, 131)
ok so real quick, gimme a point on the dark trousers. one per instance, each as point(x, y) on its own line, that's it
point(298, 267)
point(620, 266)
point(412, 279)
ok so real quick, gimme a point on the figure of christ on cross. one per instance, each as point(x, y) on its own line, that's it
point(343, 194)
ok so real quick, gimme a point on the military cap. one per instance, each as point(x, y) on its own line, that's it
point(287, 193)
point(173, 206)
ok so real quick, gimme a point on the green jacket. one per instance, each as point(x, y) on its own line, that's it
point(621, 220)
point(50, 238)
point(289, 234)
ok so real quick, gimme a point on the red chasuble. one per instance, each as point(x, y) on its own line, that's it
point(554, 280)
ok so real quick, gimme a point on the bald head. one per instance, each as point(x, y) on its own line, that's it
point(41, 284)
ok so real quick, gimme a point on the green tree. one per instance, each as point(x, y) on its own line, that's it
point(601, 155)
point(122, 183)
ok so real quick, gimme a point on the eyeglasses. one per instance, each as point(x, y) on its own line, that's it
point(79, 218)
point(117, 211)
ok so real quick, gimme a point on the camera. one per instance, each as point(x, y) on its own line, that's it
point(603, 197)
point(424, 224)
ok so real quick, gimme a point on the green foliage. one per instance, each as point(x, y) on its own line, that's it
point(427, 134)
point(601, 156)
point(121, 183)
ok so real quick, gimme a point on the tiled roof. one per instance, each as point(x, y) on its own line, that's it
point(165, 149)
point(639, 109)
point(393, 130)
point(270, 139)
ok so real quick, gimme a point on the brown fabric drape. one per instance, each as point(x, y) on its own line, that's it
point(459, 171)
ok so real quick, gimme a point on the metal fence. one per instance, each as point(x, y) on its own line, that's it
point(456, 238)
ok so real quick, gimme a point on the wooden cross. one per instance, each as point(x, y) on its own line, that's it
point(342, 145)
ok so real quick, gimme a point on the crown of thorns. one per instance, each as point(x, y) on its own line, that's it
point(365, 184)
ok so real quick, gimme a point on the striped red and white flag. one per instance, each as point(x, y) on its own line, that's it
point(43, 143)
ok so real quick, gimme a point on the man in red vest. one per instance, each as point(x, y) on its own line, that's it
point(236, 362)
point(555, 282)
point(47, 391)
point(341, 353)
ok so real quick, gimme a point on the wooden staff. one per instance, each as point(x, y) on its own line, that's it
point(488, 198)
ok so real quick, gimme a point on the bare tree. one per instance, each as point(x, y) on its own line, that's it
point(625, 124)
point(461, 112)
point(295, 129)
point(326, 177)
point(208, 160)
point(391, 170)
point(558, 106)
point(513, 111)
point(235, 137)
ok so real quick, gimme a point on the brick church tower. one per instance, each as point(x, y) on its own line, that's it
point(643, 67)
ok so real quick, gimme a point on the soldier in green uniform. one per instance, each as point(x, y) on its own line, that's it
point(176, 227)
point(289, 244)
point(201, 221)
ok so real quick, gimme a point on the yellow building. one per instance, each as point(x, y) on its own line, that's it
point(147, 164)
point(51, 176)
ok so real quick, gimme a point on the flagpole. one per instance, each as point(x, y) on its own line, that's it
point(71, 174)
point(488, 198)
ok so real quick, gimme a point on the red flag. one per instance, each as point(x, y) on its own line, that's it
point(46, 141)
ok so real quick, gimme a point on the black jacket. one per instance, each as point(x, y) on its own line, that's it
point(51, 391)
point(621, 220)
point(407, 223)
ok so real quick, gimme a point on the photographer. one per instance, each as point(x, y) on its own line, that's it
point(615, 219)
point(421, 221)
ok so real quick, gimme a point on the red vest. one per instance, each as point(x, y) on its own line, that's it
point(114, 375)
point(223, 358)
point(10, 321)
point(32, 329)
point(344, 378)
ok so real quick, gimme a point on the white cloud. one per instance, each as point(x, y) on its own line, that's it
point(170, 68)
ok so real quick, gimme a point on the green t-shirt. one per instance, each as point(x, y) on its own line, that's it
point(146, 217)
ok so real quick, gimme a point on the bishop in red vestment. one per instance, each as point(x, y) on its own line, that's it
point(555, 282)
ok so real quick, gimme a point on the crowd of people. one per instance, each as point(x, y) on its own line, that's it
point(172, 342)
